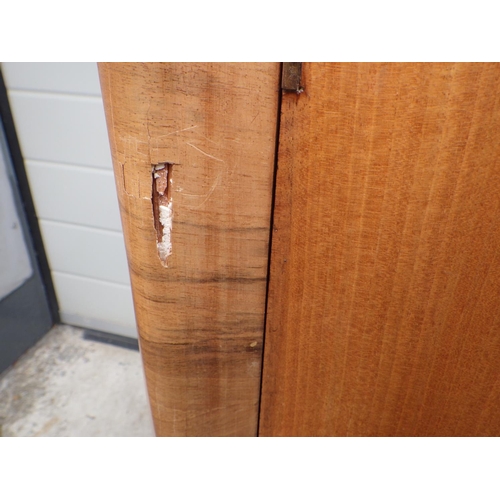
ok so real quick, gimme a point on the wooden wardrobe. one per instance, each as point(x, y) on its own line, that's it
point(313, 249)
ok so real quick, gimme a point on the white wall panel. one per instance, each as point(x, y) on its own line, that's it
point(95, 304)
point(73, 78)
point(85, 251)
point(74, 194)
point(61, 128)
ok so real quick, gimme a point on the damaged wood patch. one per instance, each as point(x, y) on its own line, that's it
point(161, 200)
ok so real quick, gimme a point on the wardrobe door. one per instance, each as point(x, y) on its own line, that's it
point(384, 299)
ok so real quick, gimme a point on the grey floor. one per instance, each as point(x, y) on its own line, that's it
point(68, 386)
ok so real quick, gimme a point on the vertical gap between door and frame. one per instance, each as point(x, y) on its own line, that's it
point(271, 230)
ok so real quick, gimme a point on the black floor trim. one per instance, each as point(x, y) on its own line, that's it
point(111, 338)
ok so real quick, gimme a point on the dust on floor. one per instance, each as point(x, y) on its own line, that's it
point(68, 386)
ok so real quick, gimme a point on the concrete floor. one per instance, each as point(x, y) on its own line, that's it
point(68, 386)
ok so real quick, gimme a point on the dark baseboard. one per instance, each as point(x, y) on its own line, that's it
point(111, 338)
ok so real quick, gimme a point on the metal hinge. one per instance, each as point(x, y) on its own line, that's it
point(290, 78)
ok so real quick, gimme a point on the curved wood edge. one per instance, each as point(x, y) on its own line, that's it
point(199, 310)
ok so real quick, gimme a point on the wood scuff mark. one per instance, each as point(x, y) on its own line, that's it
point(162, 209)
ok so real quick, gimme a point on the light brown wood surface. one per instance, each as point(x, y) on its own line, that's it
point(201, 319)
point(384, 305)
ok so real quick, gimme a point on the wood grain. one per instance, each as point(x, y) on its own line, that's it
point(200, 319)
point(384, 303)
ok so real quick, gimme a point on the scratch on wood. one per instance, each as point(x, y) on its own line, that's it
point(123, 181)
point(205, 196)
point(204, 153)
point(177, 131)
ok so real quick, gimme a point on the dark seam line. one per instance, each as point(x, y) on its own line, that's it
point(273, 201)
